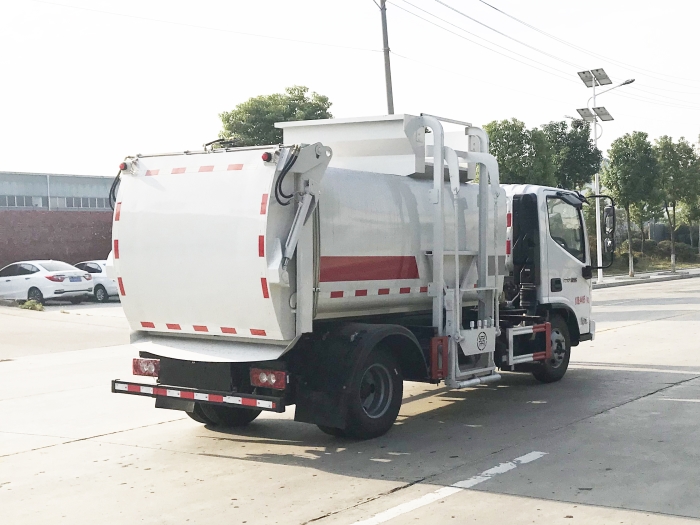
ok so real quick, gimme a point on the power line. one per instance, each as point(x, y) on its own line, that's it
point(207, 28)
point(584, 50)
point(507, 36)
point(480, 44)
point(477, 36)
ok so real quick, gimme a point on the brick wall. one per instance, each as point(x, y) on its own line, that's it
point(70, 236)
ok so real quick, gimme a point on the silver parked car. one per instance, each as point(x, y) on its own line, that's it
point(103, 286)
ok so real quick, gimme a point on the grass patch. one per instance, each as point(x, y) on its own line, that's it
point(32, 305)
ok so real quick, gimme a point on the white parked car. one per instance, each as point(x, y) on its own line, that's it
point(103, 286)
point(41, 280)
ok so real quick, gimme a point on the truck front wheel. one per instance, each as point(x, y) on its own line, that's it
point(375, 397)
point(553, 369)
point(222, 416)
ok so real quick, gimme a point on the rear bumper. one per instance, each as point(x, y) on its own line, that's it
point(69, 293)
point(234, 399)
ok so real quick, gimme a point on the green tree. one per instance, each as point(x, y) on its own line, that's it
point(252, 123)
point(678, 180)
point(576, 159)
point(630, 176)
point(524, 155)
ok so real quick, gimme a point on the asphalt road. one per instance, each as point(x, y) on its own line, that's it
point(616, 441)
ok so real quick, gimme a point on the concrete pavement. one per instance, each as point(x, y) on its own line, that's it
point(618, 437)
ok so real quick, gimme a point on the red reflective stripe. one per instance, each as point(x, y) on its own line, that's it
point(147, 324)
point(360, 293)
point(133, 388)
point(206, 168)
point(539, 328)
point(261, 245)
point(266, 292)
point(539, 356)
point(235, 167)
point(117, 211)
point(121, 286)
point(509, 220)
point(336, 295)
point(263, 204)
point(172, 326)
point(216, 398)
point(249, 402)
point(423, 289)
point(405, 290)
point(186, 395)
point(383, 291)
point(369, 268)
point(508, 247)
point(255, 331)
point(200, 328)
point(152, 172)
point(178, 170)
point(227, 330)
point(160, 391)
point(116, 248)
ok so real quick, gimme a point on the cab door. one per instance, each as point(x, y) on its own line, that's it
point(568, 260)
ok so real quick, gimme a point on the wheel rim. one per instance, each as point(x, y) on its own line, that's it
point(34, 295)
point(376, 391)
point(100, 294)
point(558, 348)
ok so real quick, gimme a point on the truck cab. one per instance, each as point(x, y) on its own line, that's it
point(550, 256)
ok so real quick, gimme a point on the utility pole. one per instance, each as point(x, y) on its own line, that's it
point(387, 63)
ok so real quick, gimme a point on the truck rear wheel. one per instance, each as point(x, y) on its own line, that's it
point(553, 369)
point(375, 397)
point(223, 416)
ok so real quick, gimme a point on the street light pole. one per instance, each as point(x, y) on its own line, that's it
point(387, 62)
point(593, 78)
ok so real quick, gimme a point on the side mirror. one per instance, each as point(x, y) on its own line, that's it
point(607, 231)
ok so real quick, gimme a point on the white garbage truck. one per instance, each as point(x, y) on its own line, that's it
point(325, 271)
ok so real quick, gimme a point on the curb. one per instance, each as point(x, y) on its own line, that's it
point(650, 280)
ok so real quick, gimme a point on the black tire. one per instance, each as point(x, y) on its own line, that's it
point(101, 295)
point(228, 416)
point(198, 415)
point(34, 294)
point(375, 396)
point(554, 369)
point(332, 431)
point(76, 300)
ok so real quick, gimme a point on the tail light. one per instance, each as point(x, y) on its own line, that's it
point(145, 367)
point(87, 277)
point(276, 379)
point(55, 278)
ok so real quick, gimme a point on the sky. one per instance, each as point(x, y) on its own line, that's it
point(87, 82)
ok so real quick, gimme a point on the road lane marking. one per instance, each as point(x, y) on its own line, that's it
point(684, 400)
point(444, 492)
point(632, 369)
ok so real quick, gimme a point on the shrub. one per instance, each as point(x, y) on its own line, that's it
point(650, 247)
point(684, 252)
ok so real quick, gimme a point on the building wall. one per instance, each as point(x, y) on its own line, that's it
point(70, 236)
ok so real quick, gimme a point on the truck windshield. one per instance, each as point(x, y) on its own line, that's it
point(565, 227)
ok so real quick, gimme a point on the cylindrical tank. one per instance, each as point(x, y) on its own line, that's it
point(376, 239)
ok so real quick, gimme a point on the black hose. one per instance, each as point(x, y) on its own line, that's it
point(113, 190)
point(278, 184)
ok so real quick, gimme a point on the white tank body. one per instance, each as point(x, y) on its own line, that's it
point(376, 235)
point(197, 247)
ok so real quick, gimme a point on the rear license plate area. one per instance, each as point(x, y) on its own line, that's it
point(75, 279)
